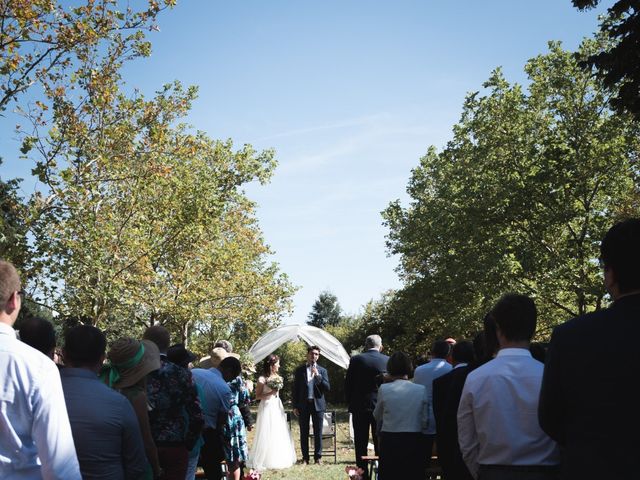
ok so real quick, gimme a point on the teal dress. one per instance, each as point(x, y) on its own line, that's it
point(234, 430)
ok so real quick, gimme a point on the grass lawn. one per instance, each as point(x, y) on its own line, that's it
point(328, 470)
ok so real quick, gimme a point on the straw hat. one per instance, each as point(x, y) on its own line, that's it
point(205, 362)
point(217, 355)
point(130, 369)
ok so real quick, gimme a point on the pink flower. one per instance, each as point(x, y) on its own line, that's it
point(355, 473)
point(253, 475)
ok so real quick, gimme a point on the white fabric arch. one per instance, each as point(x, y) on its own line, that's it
point(330, 346)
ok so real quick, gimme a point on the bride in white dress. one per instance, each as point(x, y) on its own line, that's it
point(272, 444)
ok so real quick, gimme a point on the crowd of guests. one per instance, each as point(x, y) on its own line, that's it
point(503, 408)
point(136, 411)
point(497, 408)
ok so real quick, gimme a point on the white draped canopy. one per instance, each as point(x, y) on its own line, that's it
point(330, 347)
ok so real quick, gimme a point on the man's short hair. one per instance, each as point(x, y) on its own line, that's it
point(313, 347)
point(516, 316)
point(620, 251)
point(84, 345)
point(9, 282)
point(463, 352)
point(373, 341)
point(399, 364)
point(39, 334)
point(224, 344)
point(158, 335)
point(231, 365)
point(440, 349)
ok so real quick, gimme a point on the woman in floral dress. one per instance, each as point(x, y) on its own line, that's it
point(234, 430)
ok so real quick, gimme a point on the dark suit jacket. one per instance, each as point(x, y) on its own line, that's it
point(447, 391)
point(363, 379)
point(589, 399)
point(320, 386)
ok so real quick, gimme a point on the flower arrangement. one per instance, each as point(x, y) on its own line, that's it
point(354, 473)
point(275, 382)
point(252, 475)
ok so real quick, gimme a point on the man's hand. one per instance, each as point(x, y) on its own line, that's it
point(314, 370)
point(296, 412)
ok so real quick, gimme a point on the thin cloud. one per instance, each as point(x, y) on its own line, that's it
point(351, 122)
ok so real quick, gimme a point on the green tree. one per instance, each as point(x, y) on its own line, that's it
point(13, 224)
point(618, 62)
point(45, 43)
point(325, 311)
point(518, 200)
point(145, 221)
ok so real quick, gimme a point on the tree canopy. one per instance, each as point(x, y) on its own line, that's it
point(13, 227)
point(326, 311)
point(45, 43)
point(618, 62)
point(518, 200)
point(142, 218)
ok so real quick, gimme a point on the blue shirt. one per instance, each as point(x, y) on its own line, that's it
point(216, 393)
point(35, 437)
point(105, 428)
point(425, 375)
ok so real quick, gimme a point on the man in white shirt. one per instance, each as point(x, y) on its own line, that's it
point(498, 429)
point(35, 439)
point(425, 375)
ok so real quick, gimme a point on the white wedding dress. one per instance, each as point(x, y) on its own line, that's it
point(272, 444)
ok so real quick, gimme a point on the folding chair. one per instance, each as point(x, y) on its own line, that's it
point(328, 433)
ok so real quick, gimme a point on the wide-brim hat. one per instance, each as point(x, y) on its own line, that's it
point(217, 355)
point(123, 357)
point(205, 362)
point(179, 354)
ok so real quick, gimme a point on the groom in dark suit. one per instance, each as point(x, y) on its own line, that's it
point(310, 383)
point(364, 375)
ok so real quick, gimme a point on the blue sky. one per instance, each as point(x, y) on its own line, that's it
point(350, 94)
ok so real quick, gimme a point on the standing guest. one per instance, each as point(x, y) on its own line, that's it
point(217, 396)
point(234, 431)
point(446, 397)
point(451, 342)
point(498, 429)
point(226, 344)
point(425, 375)
point(310, 383)
point(130, 361)
point(39, 334)
point(402, 416)
point(363, 378)
point(179, 355)
point(175, 415)
point(588, 402)
point(184, 358)
point(35, 435)
point(248, 385)
point(104, 425)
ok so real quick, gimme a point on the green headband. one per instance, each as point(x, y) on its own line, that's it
point(111, 371)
